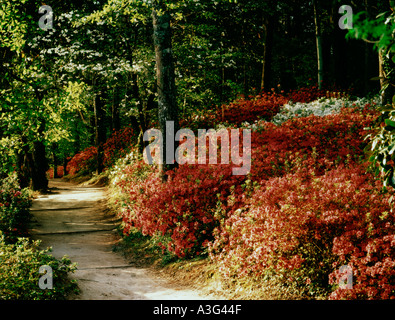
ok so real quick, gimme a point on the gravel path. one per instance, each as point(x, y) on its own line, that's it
point(73, 221)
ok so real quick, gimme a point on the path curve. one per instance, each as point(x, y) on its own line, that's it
point(73, 221)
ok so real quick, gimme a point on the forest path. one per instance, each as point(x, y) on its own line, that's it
point(74, 222)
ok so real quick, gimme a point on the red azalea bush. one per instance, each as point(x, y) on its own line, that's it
point(265, 105)
point(59, 171)
point(82, 161)
point(118, 146)
point(330, 140)
point(309, 94)
point(181, 211)
point(165, 207)
point(306, 208)
point(301, 228)
point(368, 247)
point(205, 120)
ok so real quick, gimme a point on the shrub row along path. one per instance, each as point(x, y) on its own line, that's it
point(74, 222)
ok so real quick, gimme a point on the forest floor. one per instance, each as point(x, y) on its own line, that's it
point(75, 221)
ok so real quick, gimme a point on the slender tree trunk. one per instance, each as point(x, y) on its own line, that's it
point(318, 36)
point(267, 54)
point(100, 132)
point(25, 163)
point(40, 166)
point(167, 102)
point(65, 162)
point(92, 132)
point(115, 120)
point(264, 59)
point(38, 162)
point(141, 112)
point(55, 161)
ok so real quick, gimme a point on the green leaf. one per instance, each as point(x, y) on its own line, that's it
point(390, 123)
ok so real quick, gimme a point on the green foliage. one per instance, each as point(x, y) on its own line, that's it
point(381, 31)
point(20, 259)
point(12, 31)
point(382, 146)
point(19, 272)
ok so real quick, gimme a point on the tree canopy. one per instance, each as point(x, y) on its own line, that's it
point(68, 87)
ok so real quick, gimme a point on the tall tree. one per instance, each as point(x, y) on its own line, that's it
point(167, 100)
point(318, 36)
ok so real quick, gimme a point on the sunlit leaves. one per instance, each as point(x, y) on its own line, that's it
point(381, 31)
point(13, 24)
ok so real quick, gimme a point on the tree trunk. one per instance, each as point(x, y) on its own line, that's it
point(141, 112)
point(264, 59)
point(55, 161)
point(115, 120)
point(167, 103)
point(24, 165)
point(267, 54)
point(318, 36)
point(65, 162)
point(36, 161)
point(40, 166)
point(100, 132)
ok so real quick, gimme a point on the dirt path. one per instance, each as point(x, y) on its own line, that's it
point(72, 220)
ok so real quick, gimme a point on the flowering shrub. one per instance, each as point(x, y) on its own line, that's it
point(306, 208)
point(300, 228)
point(118, 146)
point(181, 211)
point(200, 119)
point(308, 94)
point(185, 206)
point(329, 140)
point(82, 161)
point(264, 106)
point(368, 247)
point(59, 170)
point(320, 107)
point(14, 209)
